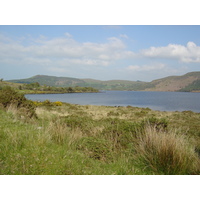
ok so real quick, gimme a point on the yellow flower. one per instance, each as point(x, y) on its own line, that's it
point(58, 103)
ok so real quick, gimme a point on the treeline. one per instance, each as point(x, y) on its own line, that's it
point(37, 88)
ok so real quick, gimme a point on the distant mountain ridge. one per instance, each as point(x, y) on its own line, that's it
point(189, 82)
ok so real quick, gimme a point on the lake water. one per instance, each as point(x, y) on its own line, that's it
point(163, 101)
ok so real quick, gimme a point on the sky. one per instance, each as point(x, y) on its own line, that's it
point(103, 52)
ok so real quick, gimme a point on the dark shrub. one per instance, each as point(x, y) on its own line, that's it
point(9, 96)
point(96, 148)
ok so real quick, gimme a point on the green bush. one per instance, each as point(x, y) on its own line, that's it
point(95, 148)
point(9, 97)
point(121, 133)
point(158, 124)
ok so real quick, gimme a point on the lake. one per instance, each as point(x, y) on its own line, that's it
point(163, 101)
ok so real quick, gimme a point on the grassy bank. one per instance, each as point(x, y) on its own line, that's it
point(72, 139)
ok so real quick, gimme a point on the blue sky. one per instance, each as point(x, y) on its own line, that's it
point(129, 52)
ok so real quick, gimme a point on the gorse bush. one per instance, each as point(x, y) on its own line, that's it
point(158, 124)
point(96, 148)
point(58, 103)
point(85, 124)
point(47, 103)
point(121, 133)
point(10, 98)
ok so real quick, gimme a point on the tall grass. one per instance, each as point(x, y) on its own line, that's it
point(167, 152)
point(58, 131)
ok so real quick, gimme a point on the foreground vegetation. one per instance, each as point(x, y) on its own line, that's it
point(61, 138)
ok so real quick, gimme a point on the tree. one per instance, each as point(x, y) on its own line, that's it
point(70, 90)
point(36, 84)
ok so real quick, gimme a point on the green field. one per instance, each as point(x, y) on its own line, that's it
point(60, 138)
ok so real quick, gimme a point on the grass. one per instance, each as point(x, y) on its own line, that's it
point(73, 139)
point(167, 153)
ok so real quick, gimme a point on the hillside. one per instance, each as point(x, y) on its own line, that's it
point(71, 82)
point(183, 83)
point(50, 81)
point(189, 82)
point(116, 84)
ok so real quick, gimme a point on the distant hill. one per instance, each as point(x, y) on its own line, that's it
point(50, 81)
point(189, 82)
point(71, 82)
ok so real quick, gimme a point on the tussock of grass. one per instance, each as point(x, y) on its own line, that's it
point(167, 152)
point(58, 131)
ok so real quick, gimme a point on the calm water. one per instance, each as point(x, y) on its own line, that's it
point(164, 101)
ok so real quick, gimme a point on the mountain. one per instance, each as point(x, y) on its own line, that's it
point(189, 82)
point(50, 81)
point(72, 82)
point(186, 83)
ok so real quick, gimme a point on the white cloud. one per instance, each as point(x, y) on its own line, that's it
point(68, 35)
point(4, 38)
point(65, 55)
point(134, 68)
point(80, 62)
point(146, 68)
point(57, 69)
point(154, 71)
point(123, 36)
point(63, 50)
point(89, 53)
point(187, 54)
